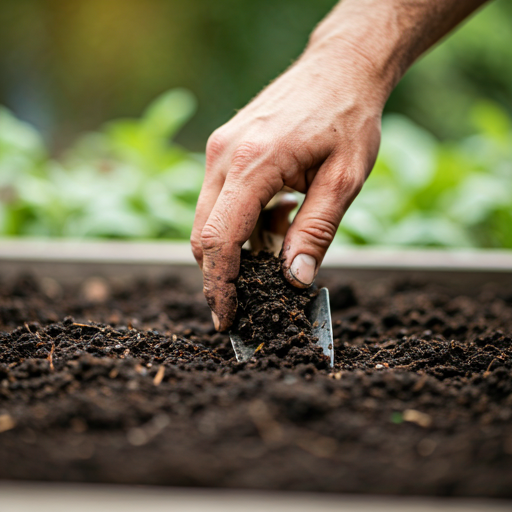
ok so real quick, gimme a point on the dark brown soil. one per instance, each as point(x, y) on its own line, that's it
point(272, 314)
point(135, 386)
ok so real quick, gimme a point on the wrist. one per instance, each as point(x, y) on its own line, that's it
point(365, 39)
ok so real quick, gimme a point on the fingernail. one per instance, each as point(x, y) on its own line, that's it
point(216, 321)
point(303, 268)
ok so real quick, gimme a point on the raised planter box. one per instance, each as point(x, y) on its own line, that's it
point(27, 497)
point(71, 260)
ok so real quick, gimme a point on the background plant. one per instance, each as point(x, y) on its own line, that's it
point(68, 66)
point(130, 180)
point(127, 180)
point(441, 193)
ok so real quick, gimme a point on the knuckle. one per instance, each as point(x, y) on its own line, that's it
point(216, 145)
point(290, 160)
point(211, 237)
point(197, 248)
point(246, 154)
point(319, 232)
point(353, 183)
point(347, 185)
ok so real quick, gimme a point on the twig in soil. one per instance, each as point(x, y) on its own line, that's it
point(260, 346)
point(420, 418)
point(488, 371)
point(89, 326)
point(50, 357)
point(411, 366)
point(159, 375)
point(376, 354)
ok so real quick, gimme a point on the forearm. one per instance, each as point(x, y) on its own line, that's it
point(388, 35)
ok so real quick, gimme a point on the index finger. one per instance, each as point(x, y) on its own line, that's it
point(229, 226)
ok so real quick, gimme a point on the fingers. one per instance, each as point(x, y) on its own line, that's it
point(216, 169)
point(229, 225)
point(210, 191)
point(330, 194)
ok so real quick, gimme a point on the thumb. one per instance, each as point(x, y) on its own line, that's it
point(333, 189)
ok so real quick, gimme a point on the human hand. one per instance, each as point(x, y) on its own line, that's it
point(316, 129)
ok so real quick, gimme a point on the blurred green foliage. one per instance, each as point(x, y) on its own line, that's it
point(426, 192)
point(71, 66)
point(473, 63)
point(129, 180)
point(126, 180)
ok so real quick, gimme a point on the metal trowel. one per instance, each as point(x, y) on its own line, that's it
point(269, 235)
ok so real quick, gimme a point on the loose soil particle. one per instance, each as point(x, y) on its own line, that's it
point(133, 385)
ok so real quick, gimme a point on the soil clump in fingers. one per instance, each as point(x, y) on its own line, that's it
point(272, 314)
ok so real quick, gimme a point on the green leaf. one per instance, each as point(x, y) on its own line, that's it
point(490, 119)
point(168, 113)
point(409, 151)
point(17, 136)
point(396, 417)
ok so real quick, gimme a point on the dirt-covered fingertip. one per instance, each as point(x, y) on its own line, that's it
point(288, 274)
point(197, 251)
point(216, 321)
point(224, 322)
point(301, 271)
point(223, 312)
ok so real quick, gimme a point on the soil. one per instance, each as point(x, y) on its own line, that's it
point(272, 315)
point(129, 383)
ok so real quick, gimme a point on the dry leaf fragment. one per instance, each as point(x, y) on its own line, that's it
point(420, 418)
point(420, 383)
point(137, 437)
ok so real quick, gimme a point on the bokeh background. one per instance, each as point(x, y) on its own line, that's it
point(106, 106)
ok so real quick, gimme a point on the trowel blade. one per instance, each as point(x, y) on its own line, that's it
point(320, 317)
point(243, 350)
